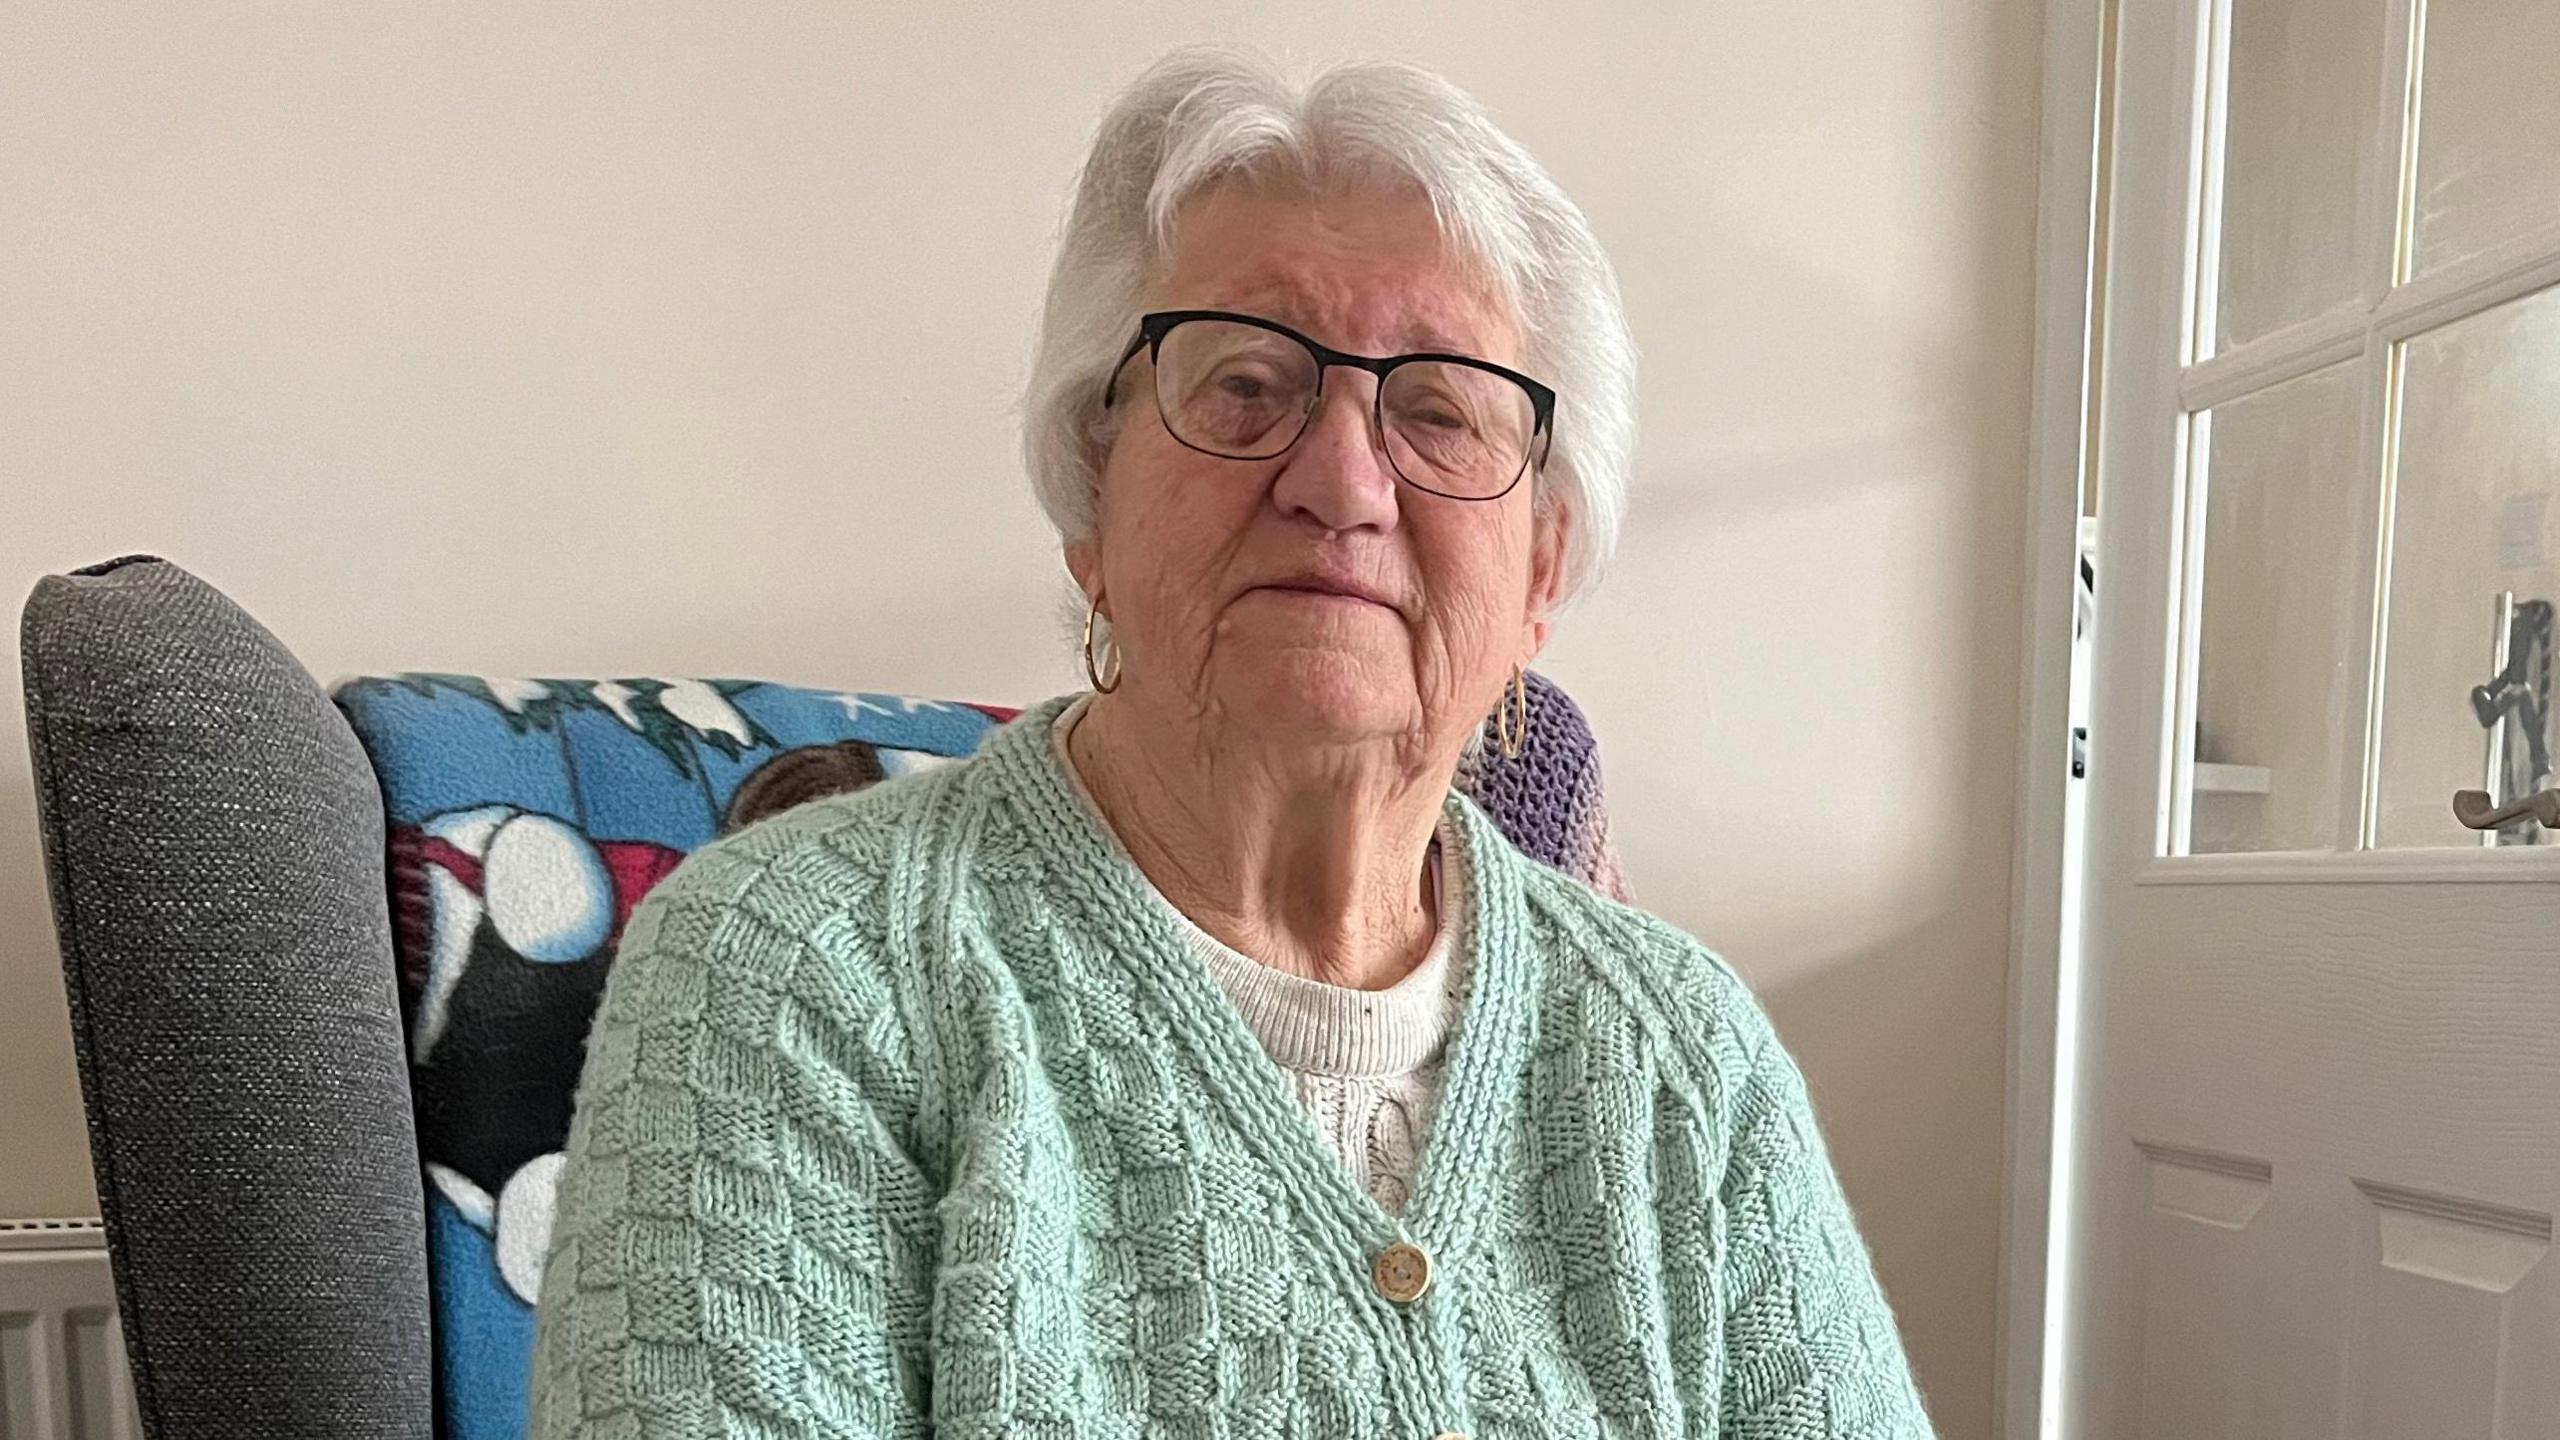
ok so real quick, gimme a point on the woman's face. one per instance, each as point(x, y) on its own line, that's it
point(1314, 592)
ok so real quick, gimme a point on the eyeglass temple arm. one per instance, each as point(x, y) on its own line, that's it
point(1111, 382)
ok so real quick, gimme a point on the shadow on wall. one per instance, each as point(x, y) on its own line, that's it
point(1815, 669)
point(1900, 1111)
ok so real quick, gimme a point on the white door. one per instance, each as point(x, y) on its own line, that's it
point(2315, 1155)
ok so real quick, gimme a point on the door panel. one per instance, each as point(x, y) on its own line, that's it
point(2443, 1282)
point(2227, 1255)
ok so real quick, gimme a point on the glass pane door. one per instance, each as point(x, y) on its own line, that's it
point(2467, 666)
point(2373, 412)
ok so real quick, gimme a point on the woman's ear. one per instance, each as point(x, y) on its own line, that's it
point(1084, 562)
point(1552, 527)
point(1096, 436)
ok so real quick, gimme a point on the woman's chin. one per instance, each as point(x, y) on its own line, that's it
point(1320, 693)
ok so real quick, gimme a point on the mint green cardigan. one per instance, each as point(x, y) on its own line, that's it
point(910, 1113)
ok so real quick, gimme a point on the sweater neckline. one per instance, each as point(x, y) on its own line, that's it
point(1305, 1024)
point(1478, 1094)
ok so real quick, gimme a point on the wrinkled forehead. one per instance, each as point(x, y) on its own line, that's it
point(1363, 266)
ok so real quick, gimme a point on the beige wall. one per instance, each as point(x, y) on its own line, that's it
point(681, 340)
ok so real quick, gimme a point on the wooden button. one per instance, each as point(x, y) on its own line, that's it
point(1401, 1272)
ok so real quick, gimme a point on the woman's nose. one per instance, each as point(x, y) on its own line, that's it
point(1337, 474)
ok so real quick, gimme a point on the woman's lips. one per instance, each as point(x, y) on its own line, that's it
point(1342, 582)
point(1324, 594)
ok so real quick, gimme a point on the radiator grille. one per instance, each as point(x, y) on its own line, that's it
point(62, 1370)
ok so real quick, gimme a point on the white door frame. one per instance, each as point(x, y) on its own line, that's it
point(2066, 231)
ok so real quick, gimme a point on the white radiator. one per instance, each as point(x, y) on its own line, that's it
point(62, 1371)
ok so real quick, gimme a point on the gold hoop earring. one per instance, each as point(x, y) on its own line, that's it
point(1092, 668)
point(1511, 716)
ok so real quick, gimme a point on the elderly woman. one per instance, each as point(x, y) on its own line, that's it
point(1193, 1061)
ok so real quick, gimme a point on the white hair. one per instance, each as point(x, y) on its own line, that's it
point(1203, 114)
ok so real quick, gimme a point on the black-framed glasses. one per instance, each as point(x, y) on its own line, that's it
point(1243, 388)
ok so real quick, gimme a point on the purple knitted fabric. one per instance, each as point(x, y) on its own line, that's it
point(1549, 800)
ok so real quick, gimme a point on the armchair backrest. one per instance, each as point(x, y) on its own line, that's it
point(213, 840)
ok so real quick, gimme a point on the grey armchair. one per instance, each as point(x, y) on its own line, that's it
point(214, 840)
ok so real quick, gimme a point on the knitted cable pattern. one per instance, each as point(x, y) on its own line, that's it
point(908, 1113)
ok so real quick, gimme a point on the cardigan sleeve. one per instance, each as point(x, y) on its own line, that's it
point(1811, 1349)
point(742, 1239)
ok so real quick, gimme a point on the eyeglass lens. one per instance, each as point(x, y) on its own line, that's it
point(1245, 393)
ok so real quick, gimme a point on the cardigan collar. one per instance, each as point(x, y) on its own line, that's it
point(1306, 1024)
point(1093, 879)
